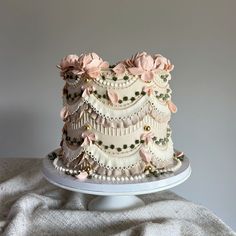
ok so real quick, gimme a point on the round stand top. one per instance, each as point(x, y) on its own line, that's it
point(105, 188)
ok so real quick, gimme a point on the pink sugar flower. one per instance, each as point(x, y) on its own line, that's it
point(88, 137)
point(68, 62)
point(91, 64)
point(143, 65)
point(119, 69)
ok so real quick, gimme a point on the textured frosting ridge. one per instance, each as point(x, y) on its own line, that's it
point(116, 117)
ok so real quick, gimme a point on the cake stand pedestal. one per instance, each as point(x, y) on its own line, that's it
point(113, 196)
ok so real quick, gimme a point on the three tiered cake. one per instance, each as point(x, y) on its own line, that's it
point(116, 118)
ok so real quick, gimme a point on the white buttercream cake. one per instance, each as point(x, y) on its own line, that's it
point(116, 118)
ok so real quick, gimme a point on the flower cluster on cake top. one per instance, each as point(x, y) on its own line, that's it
point(141, 64)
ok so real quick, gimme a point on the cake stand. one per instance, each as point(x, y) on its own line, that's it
point(113, 195)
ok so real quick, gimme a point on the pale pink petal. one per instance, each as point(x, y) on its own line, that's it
point(86, 142)
point(104, 65)
point(136, 70)
point(172, 106)
point(95, 55)
point(119, 69)
point(113, 96)
point(93, 72)
point(93, 64)
point(147, 63)
point(148, 90)
point(147, 76)
point(145, 155)
point(64, 113)
point(147, 137)
point(82, 176)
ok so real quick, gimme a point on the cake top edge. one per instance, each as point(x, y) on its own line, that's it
point(91, 65)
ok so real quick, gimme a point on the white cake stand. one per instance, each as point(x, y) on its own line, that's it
point(115, 196)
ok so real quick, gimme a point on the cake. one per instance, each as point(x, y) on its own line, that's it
point(116, 118)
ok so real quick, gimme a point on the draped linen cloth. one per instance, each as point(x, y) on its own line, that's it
point(29, 205)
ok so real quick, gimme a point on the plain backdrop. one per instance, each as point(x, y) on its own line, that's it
point(198, 36)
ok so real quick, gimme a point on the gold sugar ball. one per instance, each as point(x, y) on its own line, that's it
point(87, 127)
point(147, 127)
point(148, 81)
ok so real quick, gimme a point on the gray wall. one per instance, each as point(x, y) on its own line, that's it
point(198, 36)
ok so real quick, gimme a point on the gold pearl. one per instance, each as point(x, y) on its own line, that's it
point(87, 127)
point(147, 128)
point(149, 81)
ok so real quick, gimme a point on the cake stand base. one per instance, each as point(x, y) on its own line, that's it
point(115, 195)
point(115, 203)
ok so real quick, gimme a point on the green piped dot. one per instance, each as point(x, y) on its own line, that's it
point(143, 93)
point(126, 77)
point(132, 99)
point(132, 146)
point(125, 98)
point(106, 147)
point(125, 146)
point(114, 78)
point(137, 93)
point(119, 149)
point(136, 141)
point(112, 146)
point(99, 142)
point(120, 101)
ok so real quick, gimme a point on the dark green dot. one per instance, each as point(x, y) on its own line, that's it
point(137, 93)
point(99, 142)
point(104, 96)
point(136, 141)
point(114, 78)
point(119, 149)
point(106, 147)
point(141, 141)
point(103, 77)
point(120, 101)
point(154, 138)
point(125, 98)
point(126, 77)
point(112, 146)
point(125, 146)
point(168, 90)
point(132, 99)
point(143, 93)
point(164, 79)
point(132, 146)
point(99, 96)
point(95, 91)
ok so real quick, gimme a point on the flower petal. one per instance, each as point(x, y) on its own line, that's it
point(147, 76)
point(147, 62)
point(146, 156)
point(82, 176)
point(64, 113)
point(93, 72)
point(119, 69)
point(172, 106)
point(136, 70)
point(113, 96)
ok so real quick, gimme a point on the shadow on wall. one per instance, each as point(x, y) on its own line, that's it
point(18, 131)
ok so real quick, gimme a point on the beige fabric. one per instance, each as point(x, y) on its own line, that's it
point(29, 205)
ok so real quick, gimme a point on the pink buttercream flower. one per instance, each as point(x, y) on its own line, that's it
point(64, 113)
point(87, 90)
point(163, 63)
point(145, 155)
point(144, 65)
point(91, 64)
point(148, 89)
point(88, 137)
point(147, 137)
